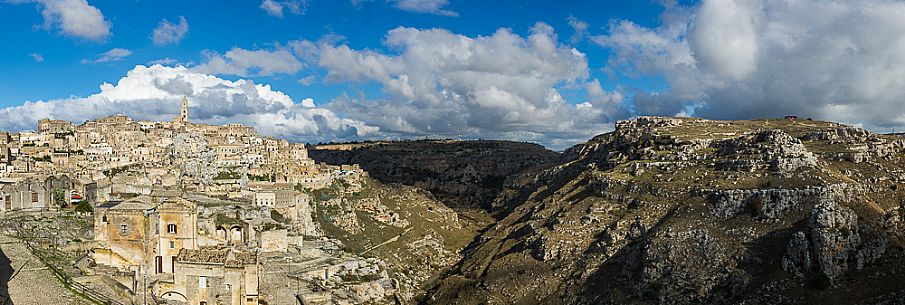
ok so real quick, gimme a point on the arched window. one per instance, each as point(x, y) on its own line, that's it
point(171, 228)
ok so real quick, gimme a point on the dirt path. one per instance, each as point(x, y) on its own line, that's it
point(25, 280)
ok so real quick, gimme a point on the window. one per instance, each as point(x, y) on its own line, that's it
point(202, 282)
point(172, 245)
point(171, 228)
point(124, 229)
point(158, 261)
point(104, 218)
point(34, 197)
point(202, 303)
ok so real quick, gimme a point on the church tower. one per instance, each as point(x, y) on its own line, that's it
point(184, 116)
point(182, 119)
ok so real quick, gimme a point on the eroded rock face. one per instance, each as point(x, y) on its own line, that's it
point(837, 134)
point(692, 211)
point(764, 203)
point(798, 257)
point(775, 150)
point(834, 235)
point(833, 245)
point(194, 156)
point(690, 267)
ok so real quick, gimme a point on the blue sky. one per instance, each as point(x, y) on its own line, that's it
point(221, 25)
point(555, 73)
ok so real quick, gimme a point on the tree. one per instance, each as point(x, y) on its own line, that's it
point(59, 197)
point(84, 207)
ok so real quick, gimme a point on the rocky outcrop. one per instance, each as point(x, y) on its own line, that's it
point(798, 254)
point(833, 245)
point(690, 267)
point(194, 157)
point(773, 150)
point(763, 203)
point(412, 235)
point(692, 211)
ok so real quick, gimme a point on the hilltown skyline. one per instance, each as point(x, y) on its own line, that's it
point(313, 71)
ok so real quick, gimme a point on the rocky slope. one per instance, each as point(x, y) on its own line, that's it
point(461, 174)
point(412, 234)
point(685, 211)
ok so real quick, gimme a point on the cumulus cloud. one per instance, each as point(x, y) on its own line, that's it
point(168, 33)
point(443, 84)
point(115, 54)
point(275, 8)
point(155, 93)
point(834, 60)
point(426, 6)
point(243, 62)
point(75, 18)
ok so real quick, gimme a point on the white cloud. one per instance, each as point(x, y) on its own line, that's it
point(37, 57)
point(725, 38)
point(307, 80)
point(168, 33)
point(580, 28)
point(833, 60)
point(275, 7)
point(154, 93)
point(426, 6)
point(75, 18)
point(243, 62)
point(115, 54)
point(442, 84)
point(166, 61)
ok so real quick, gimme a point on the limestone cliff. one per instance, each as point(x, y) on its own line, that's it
point(688, 211)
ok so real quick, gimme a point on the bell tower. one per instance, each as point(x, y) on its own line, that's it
point(184, 115)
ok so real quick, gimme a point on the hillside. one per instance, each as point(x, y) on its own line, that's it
point(683, 210)
point(414, 235)
point(461, 174)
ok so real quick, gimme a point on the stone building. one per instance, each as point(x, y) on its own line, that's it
point(35, 193)
point(121, 230)
point(48, 126)
point(272, 195)
point(177, 220)
point(211, 276)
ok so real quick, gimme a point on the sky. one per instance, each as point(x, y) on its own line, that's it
point(551, 72)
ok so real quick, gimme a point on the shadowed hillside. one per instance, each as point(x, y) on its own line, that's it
point(461, 174)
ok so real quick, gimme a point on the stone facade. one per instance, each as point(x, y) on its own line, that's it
point(180, 210)
point(214, 276)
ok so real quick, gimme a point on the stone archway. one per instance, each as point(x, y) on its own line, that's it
point(173, 296)
point(236, 234)
point(222, 233)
